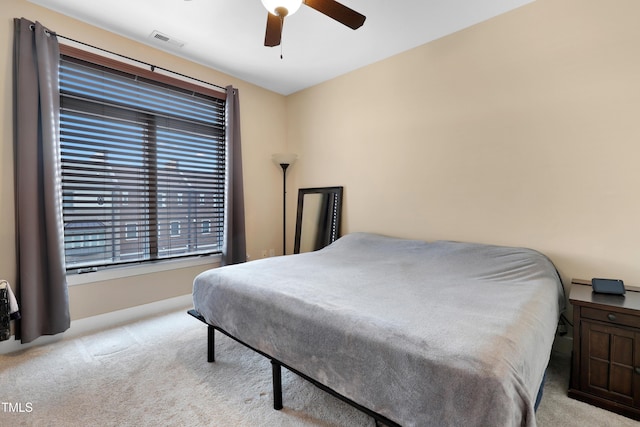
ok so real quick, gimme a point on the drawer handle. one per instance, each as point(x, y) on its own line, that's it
point(611, 316)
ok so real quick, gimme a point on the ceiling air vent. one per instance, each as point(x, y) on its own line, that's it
point(163, 38)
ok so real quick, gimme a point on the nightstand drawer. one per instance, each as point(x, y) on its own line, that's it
point(611, 317)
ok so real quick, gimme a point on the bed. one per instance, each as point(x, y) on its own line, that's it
point(413, 332)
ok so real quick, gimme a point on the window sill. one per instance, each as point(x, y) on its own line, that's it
point(137, 270)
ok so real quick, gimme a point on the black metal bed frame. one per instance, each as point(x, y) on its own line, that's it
point(276, 369)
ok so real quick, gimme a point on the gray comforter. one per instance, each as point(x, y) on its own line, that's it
point(441, 333)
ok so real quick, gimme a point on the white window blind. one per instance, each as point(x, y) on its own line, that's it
point(138, 157)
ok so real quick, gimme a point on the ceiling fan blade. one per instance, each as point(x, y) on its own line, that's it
point(273, 34)
point(337, 11)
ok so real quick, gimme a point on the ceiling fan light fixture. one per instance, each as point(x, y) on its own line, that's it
point(275, 6)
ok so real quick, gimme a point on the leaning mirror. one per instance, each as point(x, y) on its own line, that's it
point(318, 219)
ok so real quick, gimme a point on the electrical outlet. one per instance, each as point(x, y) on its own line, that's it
point(264, 253)
point(272, 252)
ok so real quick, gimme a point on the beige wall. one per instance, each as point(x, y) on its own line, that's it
point(522, 130)
point(263, 133)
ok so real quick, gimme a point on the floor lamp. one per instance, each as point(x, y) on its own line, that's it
point(284, 160)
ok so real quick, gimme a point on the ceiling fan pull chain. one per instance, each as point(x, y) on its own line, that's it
point(281, 28)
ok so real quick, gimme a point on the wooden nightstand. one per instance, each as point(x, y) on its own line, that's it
point(605, 367)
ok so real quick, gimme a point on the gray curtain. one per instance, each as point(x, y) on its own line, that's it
point(234, 248)
point(42, 288)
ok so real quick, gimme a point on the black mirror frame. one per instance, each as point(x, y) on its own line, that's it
point(334, 223)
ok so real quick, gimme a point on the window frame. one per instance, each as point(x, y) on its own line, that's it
point(120, 66)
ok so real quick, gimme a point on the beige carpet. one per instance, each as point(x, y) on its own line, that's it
point(154, 373)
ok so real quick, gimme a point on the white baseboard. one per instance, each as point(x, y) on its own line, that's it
point(102, 321)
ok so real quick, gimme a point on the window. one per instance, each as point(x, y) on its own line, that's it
point(175, 228)
point(131, 231)
point(206, 226)
point(140, 154)
point(85, 240)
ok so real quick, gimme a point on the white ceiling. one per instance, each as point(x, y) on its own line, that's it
point(228, 35)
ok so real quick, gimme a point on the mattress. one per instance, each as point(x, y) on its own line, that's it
point(423, 333)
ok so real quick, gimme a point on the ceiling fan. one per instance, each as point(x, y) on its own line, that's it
point(278, 9)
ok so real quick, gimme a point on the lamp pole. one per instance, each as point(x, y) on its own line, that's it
point(284, 167)
point(284, 160)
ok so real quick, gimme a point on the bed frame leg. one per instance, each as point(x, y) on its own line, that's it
point(211, 344)
point(277, 385)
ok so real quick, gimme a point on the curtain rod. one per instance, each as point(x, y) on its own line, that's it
point(151, 66)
